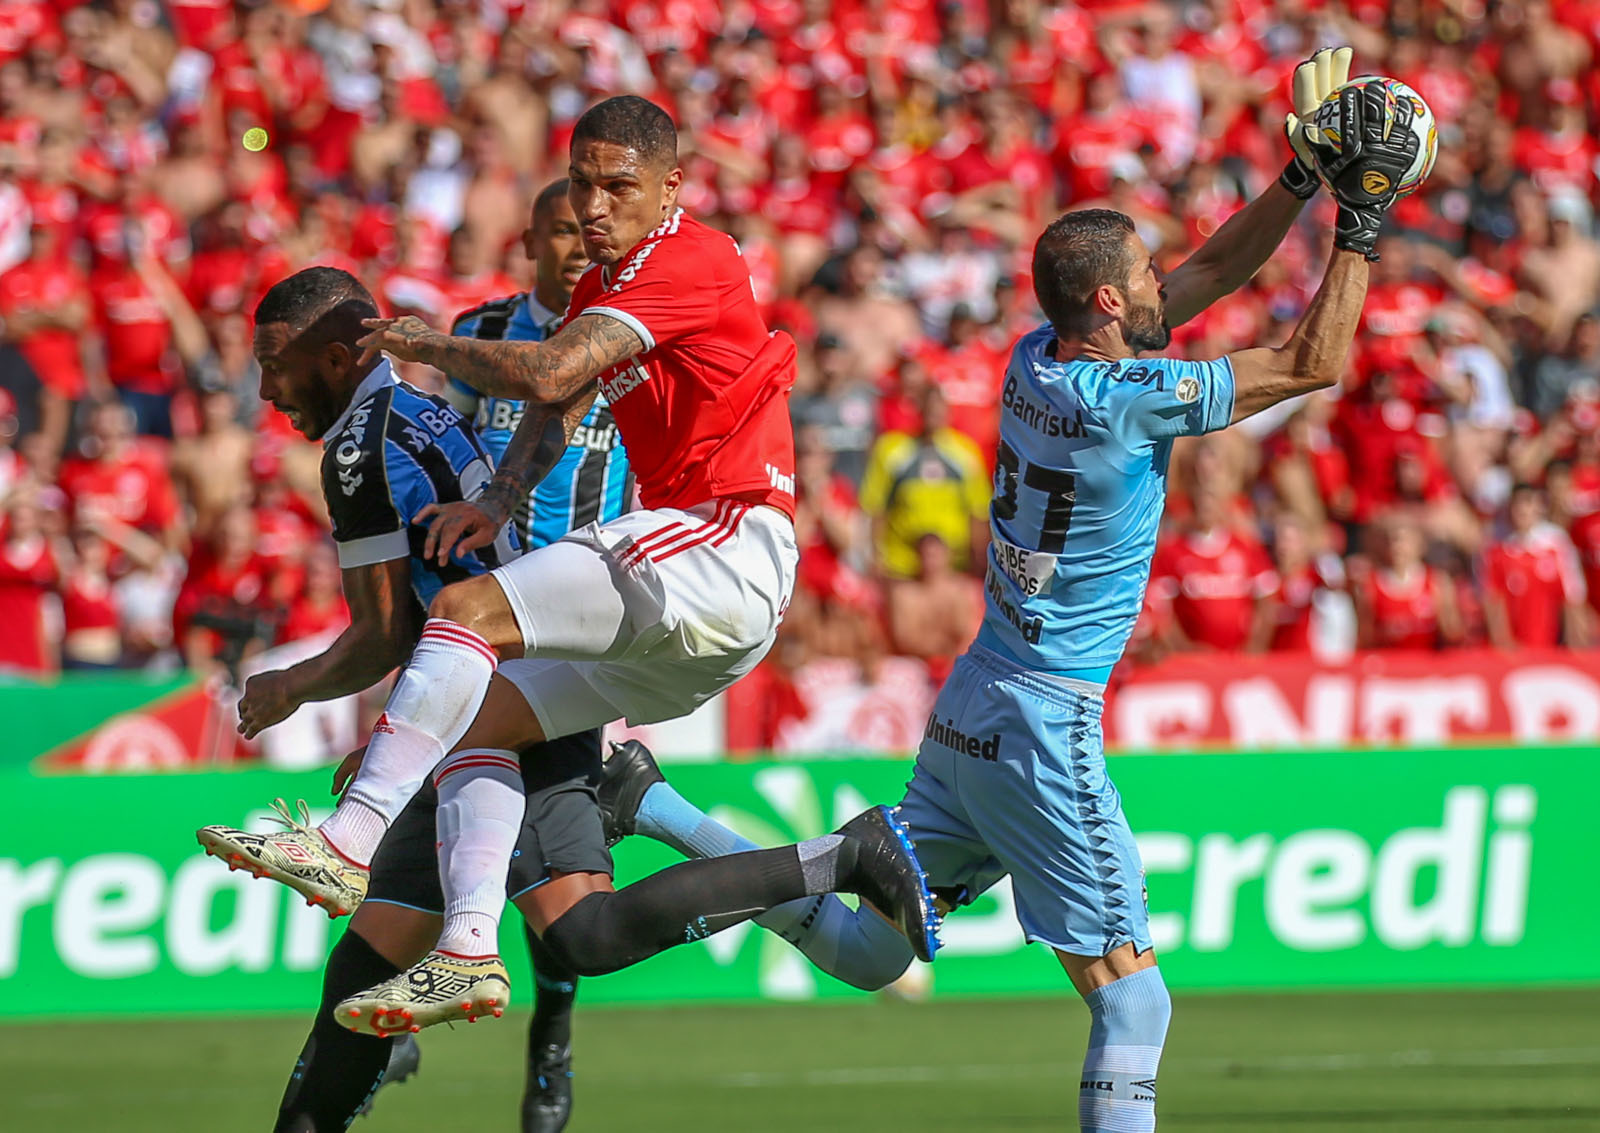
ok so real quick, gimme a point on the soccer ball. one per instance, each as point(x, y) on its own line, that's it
point(1326, 123)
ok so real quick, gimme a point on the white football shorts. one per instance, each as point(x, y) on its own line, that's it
point(650, 615)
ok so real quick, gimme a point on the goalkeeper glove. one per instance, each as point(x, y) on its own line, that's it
point(1373, 155)
point(1314, 80)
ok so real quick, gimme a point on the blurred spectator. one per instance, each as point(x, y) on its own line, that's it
point(1555, 376)
point(868, 320)
point(44, 305)
point(1311, 588)
point(1534, 593)
point(1563, 268)
point(319, 607)
point(1402, 602)
point(223, 611)
point(828, 525)
point(932, 482)
point(935, 615)
point(92, 605)
point(121, 477)
point(30, 569)
point(1217, 583)
point(841, 409)
point(211, 469)
point(1309, 471)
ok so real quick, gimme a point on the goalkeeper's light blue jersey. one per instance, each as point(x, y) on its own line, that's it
point(1080, 483)
point(591, 483)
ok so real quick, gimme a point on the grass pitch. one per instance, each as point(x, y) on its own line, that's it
point(1306, 1063)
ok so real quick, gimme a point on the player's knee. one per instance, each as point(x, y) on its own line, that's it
point(1134, 1010)
point(457, 603)
point(582, 939)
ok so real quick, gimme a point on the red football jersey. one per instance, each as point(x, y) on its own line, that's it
point(704, 409)
point(1212, 582)
point(1404, 612)
point(53, 352)
point(1586, 539)
point(28, 573)
point(1297, 599)
point(1535, 576)
point(135, 489)
point(135, 330)
point(88, 602)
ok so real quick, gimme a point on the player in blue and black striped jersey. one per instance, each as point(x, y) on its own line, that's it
point(390, 451)
point(591, 483)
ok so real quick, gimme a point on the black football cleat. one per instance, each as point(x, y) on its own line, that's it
point(630, 771)
point(889, 877)
point(547, 1098)
point(405, 1059)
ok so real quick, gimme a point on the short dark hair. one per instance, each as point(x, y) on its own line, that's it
point(634, 122)
point(555, 191)
point(1078, 254)
point(320, 302)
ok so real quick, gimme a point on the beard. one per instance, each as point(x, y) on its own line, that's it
point(1146, 328)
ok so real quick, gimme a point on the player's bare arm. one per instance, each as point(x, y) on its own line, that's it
point(1362, 175)
point(549, 371)
point(1236, 251)
point(383, 627)
point(1234, 254)
point(1314, 357)
point(534, 449)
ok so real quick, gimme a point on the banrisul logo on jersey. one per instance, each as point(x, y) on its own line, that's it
point(1281, 869)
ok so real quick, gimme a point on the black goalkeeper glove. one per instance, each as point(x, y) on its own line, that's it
point(1363, 173)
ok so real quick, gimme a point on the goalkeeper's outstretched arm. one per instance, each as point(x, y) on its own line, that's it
point(1235, 252)
point(1314, 357)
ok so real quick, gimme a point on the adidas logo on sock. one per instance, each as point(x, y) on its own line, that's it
point(383, 725)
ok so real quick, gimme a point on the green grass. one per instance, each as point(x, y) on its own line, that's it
point(1305, 1063)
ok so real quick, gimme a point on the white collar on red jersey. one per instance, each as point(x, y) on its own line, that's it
point(665, 228)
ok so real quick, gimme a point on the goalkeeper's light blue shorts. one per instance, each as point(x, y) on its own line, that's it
point(1011, 778)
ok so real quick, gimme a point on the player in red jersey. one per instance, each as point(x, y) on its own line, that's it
point(643, 617)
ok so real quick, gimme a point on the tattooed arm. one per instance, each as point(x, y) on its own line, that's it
point(549, 371)
point(535, 448)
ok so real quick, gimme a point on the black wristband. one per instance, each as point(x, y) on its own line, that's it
point(1299, 180)
point(1356, 230)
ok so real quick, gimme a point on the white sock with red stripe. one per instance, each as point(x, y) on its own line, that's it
point(481, 801)
point(429, 710)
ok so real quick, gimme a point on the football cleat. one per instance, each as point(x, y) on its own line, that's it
point(630, 771)
point(299, 856)
point(547, 1099)
point(889, 877)
point(440, 988)
point(405, 1059)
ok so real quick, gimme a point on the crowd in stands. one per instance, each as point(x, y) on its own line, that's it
point(885, 165)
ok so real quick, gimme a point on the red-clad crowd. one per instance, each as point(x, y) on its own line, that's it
point(885, 166)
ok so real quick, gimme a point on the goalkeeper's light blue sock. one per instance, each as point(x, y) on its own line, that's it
point(856, 946)
point(1128, 1028)
point(668, 817)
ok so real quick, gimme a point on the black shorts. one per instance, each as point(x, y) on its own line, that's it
point(561, 830)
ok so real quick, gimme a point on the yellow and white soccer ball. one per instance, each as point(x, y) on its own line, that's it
point(1325, 122)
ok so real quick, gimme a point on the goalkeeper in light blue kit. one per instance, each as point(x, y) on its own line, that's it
point(1010, 777)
